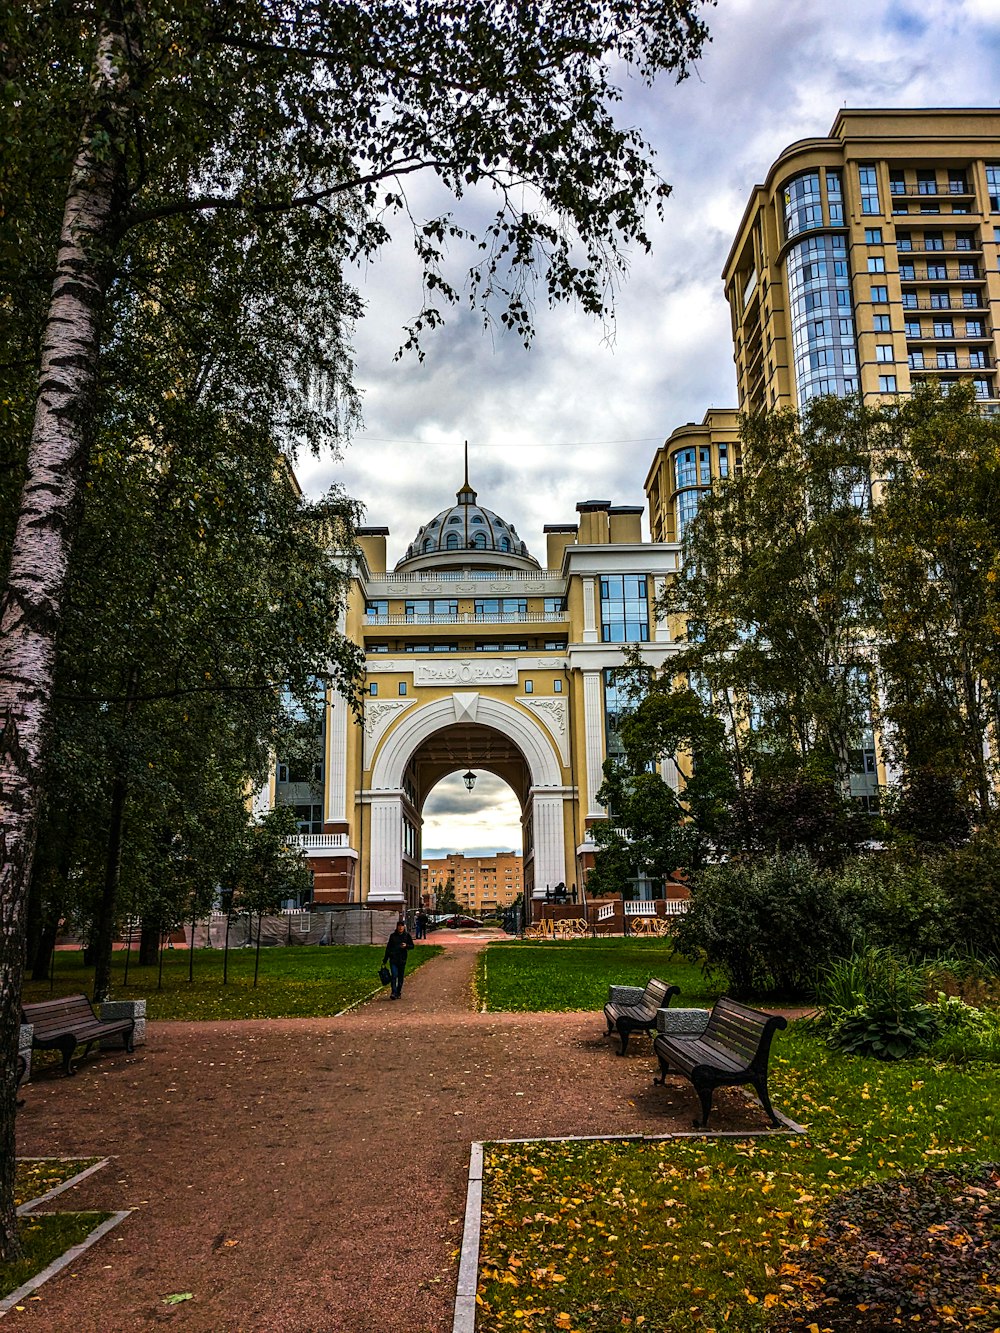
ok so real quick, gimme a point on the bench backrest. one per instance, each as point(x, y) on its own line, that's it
point(747, 1032)
point(58, 1015)
point(657, 994)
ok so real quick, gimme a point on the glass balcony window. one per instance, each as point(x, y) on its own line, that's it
point(971, 300)
point(946, 359)
point(933, 240)
point(944, 328)
point(904, 240)
point(974, 328)
point(937, 272)
point(968, 270)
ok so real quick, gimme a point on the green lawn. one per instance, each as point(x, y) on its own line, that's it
point(299, 982)
point(566, 975)
point(721, 1235)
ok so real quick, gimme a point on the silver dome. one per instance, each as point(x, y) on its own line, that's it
point(467, 528)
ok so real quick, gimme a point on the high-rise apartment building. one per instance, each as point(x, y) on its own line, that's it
point(482, 883)
point(868, 261)
point(685, 466)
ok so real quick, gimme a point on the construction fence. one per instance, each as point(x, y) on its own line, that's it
point(334, 925)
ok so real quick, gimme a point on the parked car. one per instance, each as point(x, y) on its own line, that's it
point(460, 923)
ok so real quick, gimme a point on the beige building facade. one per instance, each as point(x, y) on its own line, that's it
point(867, 261)
point(479, 656)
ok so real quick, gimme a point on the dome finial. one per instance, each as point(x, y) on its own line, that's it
point(466, 496)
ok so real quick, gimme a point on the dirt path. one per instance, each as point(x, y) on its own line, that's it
point(309, 1174)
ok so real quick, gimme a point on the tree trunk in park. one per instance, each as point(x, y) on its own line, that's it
point(149, 944)
point(39, 562)
point(104, 926)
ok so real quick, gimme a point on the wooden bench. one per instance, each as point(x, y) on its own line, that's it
point(632, 1009)
point(22, 1069)
point(64, 1024)
point(733, 1051)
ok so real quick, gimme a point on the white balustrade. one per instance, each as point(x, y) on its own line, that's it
point(307, 842)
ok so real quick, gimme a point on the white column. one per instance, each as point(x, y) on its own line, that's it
point(887, 738)
point(661, 632)
point(590, 634)
point(336, 758)
point(670, 774)
point(549, 840)
point(386, 873)
point(593, 730)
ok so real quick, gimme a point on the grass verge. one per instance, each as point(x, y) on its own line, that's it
point(571, 975)
point(301, 982)
point(35, 1176)
point(44, 1238)
point(722, 1234)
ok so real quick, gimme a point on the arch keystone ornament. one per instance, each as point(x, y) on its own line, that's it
point(466, 707)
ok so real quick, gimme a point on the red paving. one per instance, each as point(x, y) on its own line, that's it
point(310, 1174)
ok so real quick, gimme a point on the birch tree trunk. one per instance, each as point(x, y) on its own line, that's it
point(32, 600)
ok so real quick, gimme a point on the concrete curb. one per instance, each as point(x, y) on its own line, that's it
point(468, 1267)
point(26, 1209)
point(69, 1256)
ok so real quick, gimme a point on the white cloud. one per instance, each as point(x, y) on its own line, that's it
point(478, 823)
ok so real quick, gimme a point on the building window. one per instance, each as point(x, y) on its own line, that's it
point(379, 607)
point(904, 240)
point(834, 198)
point(876, 264)
point(944, 328)
point(912, 328)
point(624, 609)
point(933, 240)
point(686, 508)
point(897, 182)
point(940, 299)
point(971, 300)
point(967, 270)
point(873, 235)
point(947, 359)
point(974, 328)
point(993, 186)
point(451, 542)
point(803, 207)
point(504, 544)
point(479, 541)
point(887, 383)
point(402, 688)
point(884, 352)
point(907, 271)
point(982, 388)
point(957, 184)
point(373, 687)
point(880, 323)
point(557, 687)
point(505, 606)
point(977, 359)
point(915, 360)
point(927, 182)
point(868, 181)
point(529, 687)
point(823, 344)
point(685, 469)
point(723, 460)
point(879, 294)
point(937, 272)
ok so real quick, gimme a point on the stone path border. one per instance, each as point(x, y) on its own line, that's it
point(468, 1267)
point(30, 1209)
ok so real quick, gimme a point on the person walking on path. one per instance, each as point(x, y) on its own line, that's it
point(420, 921)
point(397, 947)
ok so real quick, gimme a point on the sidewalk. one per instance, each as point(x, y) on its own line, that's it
point(309, 1174)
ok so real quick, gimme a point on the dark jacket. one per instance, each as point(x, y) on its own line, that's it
point(397, 947)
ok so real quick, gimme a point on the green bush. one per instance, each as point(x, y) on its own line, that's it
point(900, 905)
point(971, 877)
point(768, 926)
point(873, 1004)
point(966, 1034)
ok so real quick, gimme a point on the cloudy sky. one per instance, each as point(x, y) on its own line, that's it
point(577, 417)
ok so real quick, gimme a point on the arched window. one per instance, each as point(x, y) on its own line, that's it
point(504, 544)
point(477, 518)
point(456, 518)
point(479, 541)
point(428, 545)
point(451, 544)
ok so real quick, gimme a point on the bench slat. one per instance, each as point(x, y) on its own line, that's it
point(70, 1021)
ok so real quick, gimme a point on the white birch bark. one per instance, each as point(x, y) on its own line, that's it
point(32, 600)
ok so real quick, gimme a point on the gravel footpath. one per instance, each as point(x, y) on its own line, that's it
point(309, 1174)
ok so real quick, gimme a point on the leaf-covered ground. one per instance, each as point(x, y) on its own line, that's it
point(727, 1234)
point(528, 977)
point(35, 1176)
point(302, 982)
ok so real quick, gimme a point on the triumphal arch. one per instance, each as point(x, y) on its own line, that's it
point(479, 657)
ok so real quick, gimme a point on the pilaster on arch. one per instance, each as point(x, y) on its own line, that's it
point(419, 724)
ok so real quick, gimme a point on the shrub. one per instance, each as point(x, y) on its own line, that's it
point(967, 1034)
point(901, 905)
point(915, 1249)
point(767, 926)
point(873, 1004)
point(971, 876)
point(802, 811)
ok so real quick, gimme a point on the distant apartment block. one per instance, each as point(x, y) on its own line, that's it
point(482, 883)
